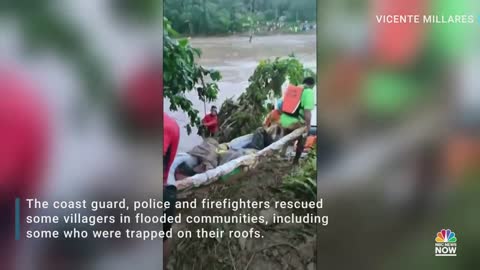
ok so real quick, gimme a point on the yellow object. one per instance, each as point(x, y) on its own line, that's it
point(222, 148)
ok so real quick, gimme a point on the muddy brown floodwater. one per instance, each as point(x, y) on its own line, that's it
point(236, 59)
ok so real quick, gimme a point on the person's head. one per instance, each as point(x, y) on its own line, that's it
point(309, 82)
point(213, 110)
point(183, 171)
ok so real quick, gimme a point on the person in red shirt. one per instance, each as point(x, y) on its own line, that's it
point(210, 123)
point(171, 138)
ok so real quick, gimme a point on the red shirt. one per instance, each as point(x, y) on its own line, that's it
point(171, 137)
point(211, 122)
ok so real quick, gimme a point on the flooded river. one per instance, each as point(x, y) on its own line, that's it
point(236, 59)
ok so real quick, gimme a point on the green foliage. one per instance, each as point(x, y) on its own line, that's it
point(194, 17)
point(302, 183)
point(246, 115)
point(181, 74)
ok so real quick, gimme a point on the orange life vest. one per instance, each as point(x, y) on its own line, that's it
point(292, 99)
point(272, 118)
point(310, 142)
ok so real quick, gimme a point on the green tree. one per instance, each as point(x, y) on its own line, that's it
point(181, 74)
point(209, 17)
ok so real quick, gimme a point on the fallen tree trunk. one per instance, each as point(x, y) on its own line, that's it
point(247, 160)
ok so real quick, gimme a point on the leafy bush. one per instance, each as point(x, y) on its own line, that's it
point(302, 183)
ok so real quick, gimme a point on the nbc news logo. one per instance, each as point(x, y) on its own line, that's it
point(445, 243)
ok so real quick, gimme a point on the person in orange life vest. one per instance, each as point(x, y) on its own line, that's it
point(297, 106)
point(210, 122)
point(273, 117)
point(24, 147)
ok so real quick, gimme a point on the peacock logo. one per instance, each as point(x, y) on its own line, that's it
point(446, 236)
